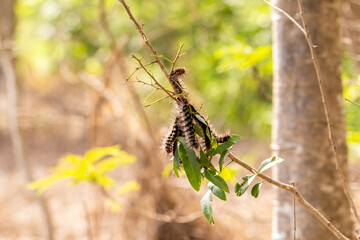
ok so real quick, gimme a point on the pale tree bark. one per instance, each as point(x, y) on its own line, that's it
point(8, 74)
point(300, 134)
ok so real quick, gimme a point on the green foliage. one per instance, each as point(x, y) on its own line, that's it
point(240, 189)
point(93, 167)
point(206, 207)
point(217, 191)
point(256, 189)
point(216, 180)
point(224, 146)
point(191, 165)
point(270, 162)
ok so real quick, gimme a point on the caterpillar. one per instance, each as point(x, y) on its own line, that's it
point(174, 80)
point(184, 122)
point(171, 139)
point(186, 125)
point(222, 138)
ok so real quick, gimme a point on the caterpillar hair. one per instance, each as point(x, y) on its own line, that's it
point(186, 125)
point(222, 138)
point(175, 75)
point(171, 139)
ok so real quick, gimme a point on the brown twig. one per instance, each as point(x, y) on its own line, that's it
point(352, 102)
point(327, 114)
point(147, 84)
point(146, 40)
point(296, 194)
point(178, 55)
point(153, 78)
point(156, 101)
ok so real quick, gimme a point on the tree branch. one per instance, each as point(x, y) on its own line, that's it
point(297, 195)
point(146, 40)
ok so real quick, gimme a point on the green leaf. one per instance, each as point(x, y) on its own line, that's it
point(199, 131)
point(205, 161)
point(240, 189)
point(217, 191)
point(222, 158)
point(270, 162)
point(256, 189)
point(176, 161)
point(206, 207)
point(191, 164)
point(201, 119)
point(211, 137)
point(224, 146)
point(214, 143)
point(217, 180)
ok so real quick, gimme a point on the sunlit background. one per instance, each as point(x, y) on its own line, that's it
point(73, 59)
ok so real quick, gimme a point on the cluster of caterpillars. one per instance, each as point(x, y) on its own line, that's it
point(185, 119)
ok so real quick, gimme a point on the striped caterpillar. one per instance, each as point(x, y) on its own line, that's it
point(186, 117)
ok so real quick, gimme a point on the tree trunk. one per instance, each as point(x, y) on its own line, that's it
point(300, 134)
point(8, 74)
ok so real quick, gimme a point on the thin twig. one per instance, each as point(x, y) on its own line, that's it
point(297, 195)
point(146, 40)
point(352, 102)
point(327, 114)
point(178, 55)
point(159, 100)
point(147, 84)
point(287, 15)
point(152, 77)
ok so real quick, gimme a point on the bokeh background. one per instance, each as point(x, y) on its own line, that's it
point(72, 59)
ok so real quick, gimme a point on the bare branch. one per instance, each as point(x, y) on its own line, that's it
point(178, 55)
point(159, 100)
point(286, 15)
point(153, 78)
point(297, 195)
point(146, 40)
point(352, 102)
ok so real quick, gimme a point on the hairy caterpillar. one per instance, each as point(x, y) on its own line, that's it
point(174, 80)
point(186, 125)
point(222, 138)
point(171, 139)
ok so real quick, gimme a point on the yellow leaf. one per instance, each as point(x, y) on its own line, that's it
point(127, 187)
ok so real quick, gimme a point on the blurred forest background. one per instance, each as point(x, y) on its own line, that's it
point(72, 60)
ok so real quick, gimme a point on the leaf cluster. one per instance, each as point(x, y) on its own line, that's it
point(199, 166)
